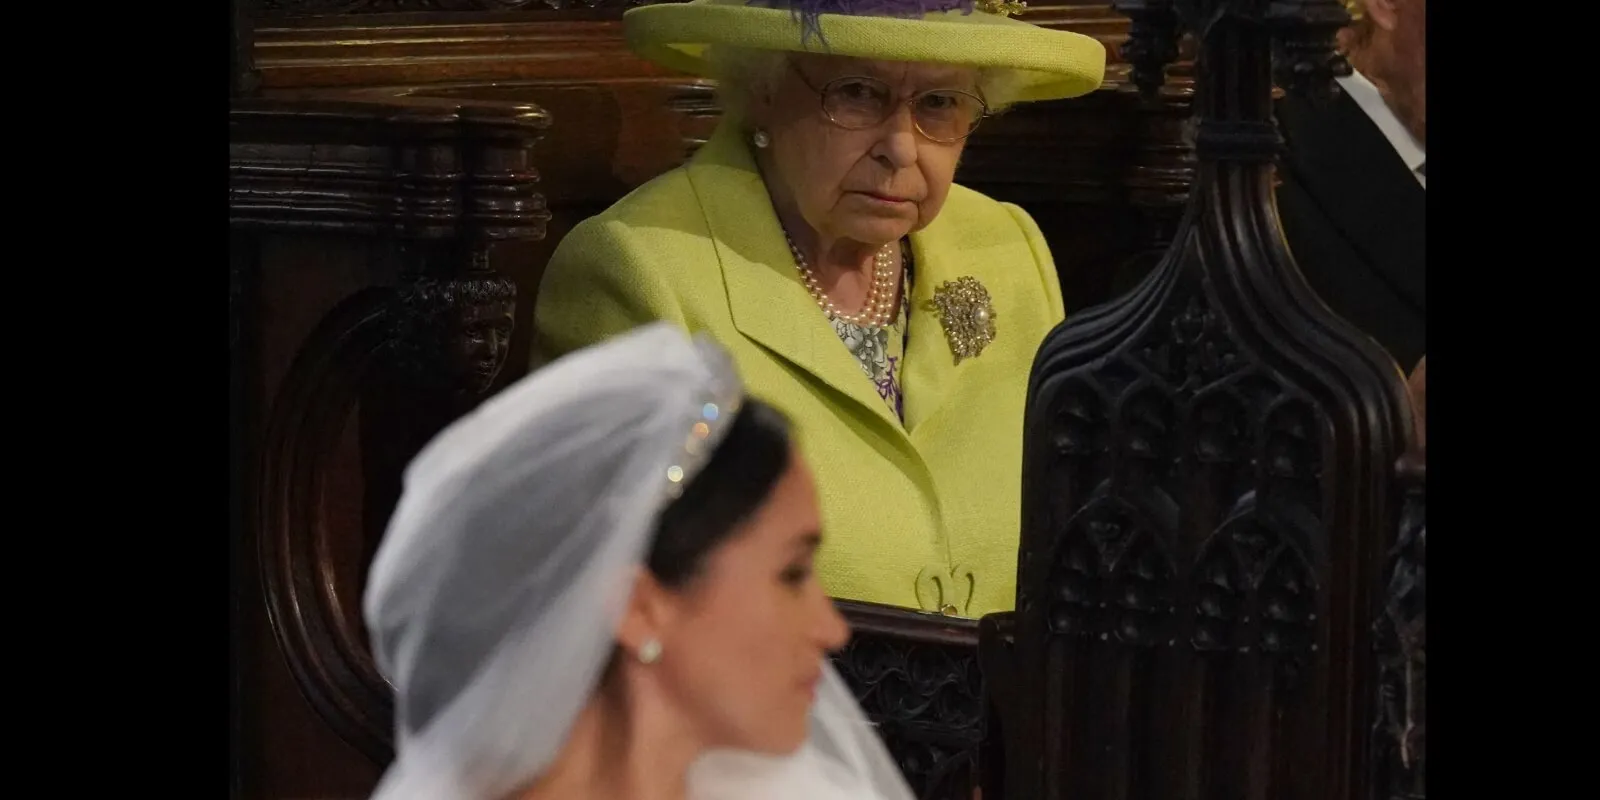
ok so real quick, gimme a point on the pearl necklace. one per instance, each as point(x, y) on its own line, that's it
point(876, 311)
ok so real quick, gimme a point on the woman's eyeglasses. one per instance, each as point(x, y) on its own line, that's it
point(859, 102)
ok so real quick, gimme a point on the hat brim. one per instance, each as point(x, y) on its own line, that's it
point(1049, 64)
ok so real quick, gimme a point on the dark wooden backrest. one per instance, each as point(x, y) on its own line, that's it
point(1215, 534)
point(363, 317)
point(917, 677)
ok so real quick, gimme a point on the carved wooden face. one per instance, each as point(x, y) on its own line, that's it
point(744, 642)
point(483, 339)
point(872, 185)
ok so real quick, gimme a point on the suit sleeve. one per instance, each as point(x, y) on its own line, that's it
point(598, 284)
point(1049, 279)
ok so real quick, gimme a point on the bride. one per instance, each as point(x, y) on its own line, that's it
point(599, 585)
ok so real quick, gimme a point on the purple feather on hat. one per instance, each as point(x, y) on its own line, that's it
point(809, 11)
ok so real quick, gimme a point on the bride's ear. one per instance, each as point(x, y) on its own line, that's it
point(646, 618)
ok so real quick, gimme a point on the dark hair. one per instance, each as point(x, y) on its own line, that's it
point(734, 483)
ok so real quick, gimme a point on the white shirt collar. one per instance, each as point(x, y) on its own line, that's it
point(1367, 97)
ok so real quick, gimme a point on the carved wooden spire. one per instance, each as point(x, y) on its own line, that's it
point(1208, 481)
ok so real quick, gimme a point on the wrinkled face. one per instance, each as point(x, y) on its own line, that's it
point(872, 185)
point(749, 633)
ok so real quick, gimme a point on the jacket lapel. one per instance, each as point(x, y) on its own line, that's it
point(769, 303)
point(1382, 213)
point(930, 370)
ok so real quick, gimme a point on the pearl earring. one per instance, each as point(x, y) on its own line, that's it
point(760, 139)
point(650, 651)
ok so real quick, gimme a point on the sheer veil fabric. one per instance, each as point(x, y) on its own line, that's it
point(494, 595)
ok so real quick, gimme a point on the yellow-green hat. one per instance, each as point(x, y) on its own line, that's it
point(1048, 64)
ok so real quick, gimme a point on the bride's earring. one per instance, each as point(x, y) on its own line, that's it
point(650, 651)
point(760, 139)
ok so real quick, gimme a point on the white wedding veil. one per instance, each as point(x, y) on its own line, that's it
point(494, 597)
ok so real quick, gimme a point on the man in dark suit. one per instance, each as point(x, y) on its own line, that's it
point(1353, 196)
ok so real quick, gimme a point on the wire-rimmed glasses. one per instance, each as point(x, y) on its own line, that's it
point(856, 102)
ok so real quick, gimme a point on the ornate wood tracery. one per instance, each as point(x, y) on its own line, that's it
point(1400, 642)
point(1208, 487)
point(917, 678)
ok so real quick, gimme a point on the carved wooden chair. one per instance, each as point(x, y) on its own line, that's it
point(1220, 583)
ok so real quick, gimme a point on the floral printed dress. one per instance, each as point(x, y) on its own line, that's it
point(881, 351)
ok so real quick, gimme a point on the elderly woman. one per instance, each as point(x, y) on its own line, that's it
point(891, 314)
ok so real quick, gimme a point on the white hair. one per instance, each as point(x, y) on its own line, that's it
point(744, 74)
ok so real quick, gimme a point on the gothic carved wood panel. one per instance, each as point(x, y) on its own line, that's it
point(1208, 484)
point(1400, 634)
point(917, 677)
